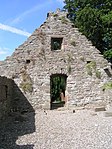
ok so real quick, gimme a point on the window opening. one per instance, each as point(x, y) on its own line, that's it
point(88, 62)
point(27, 61)
point(56, 43)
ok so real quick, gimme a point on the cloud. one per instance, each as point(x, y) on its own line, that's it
point(3, 51)
point(14, 30)
point(27, 12)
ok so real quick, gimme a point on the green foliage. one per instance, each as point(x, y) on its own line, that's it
point(90, 66)
point(108, 54)
point(94, 19)
point(98, 74)
point(107, 86)
point(63, 20)
point(107, 18)
point(89, 70)
point(55, 15)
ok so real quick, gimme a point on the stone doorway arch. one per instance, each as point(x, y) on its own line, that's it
point(58, 83)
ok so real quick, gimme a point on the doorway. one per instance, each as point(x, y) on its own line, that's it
point(57, 90)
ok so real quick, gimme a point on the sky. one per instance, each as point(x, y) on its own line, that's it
point(19, 19)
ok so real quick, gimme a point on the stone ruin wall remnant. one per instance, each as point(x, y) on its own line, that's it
point(33, 62)
point(6, 89)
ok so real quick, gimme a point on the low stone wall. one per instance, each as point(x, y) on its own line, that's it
point(6, 89)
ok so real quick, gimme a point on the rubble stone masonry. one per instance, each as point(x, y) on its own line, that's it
point(32, 64)
point(6, 89)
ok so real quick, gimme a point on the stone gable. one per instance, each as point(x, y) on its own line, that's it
point(57, 47)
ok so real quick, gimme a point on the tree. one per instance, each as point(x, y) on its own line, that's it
point(94, 20)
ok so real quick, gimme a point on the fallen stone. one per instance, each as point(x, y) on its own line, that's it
point(98, 109)
point(62, 109)
point(108, 114)
point(93, 113)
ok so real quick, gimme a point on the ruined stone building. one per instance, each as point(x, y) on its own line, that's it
point(57, 48)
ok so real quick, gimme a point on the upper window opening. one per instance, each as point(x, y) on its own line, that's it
point(56, 43)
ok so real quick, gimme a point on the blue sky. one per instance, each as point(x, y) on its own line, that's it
point(19, 18)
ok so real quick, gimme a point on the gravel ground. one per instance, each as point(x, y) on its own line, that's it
point(57, 130)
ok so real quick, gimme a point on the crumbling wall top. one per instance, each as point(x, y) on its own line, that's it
point(58, 12)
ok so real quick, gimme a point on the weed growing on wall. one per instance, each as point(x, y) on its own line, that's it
point(107, 86)
point(26, 83)
point(63, 20)
point(91, 67)
point(98, 74)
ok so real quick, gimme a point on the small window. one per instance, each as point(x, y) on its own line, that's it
point(56, 43)
point(27, 61)
point(88, 62)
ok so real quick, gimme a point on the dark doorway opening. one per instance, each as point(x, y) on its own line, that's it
point(57, 90)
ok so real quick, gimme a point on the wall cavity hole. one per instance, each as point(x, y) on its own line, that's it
point(28, 61)
point(88, 62)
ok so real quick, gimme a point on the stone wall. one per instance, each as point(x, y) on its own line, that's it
point(6, 89)
point(12, 100)
point(33, 63)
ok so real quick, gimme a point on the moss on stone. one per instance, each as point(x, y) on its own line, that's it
point(63, 20)
point(90, 66)
point(98, 74)
point(107, 86)
point(26, 83)
point(55, 15)
point(26, 87)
